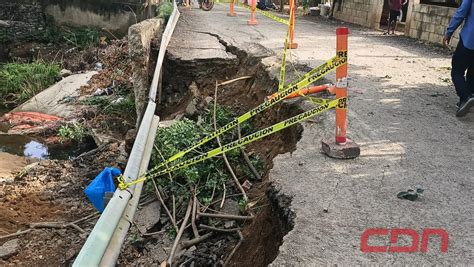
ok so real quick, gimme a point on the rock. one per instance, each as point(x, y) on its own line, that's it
point(208, 99)
point(230, 224)
point(130, 139)
point(65, 73)
point(194, 89)
point(168, 123)
point(231, 207)
point(191, 109)
point(70, 253)
point(189, 251)
point(9, 248)
point(148, 216)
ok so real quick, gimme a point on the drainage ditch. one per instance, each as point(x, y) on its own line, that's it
point(185, 85)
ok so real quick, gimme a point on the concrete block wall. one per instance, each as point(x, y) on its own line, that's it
point(355, 11)
point(21, 21)
point(140, 36)
point(429, 23)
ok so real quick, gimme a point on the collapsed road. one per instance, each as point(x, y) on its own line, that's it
point(400, 112)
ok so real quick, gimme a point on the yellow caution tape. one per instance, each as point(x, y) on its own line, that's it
point(310, 77)
point(241, 142)
point(265, 13)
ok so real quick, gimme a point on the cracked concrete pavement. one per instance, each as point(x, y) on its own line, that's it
point(401, 113)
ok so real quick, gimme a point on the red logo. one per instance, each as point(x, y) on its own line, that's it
point(395, 233)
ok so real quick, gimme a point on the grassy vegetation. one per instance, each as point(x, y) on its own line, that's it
point(80, 37)
point(19, 81)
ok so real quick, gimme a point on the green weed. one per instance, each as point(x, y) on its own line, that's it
point(165, 10)
point(207, 176)
point(72, 132)
point(81, 37)
point(106, 104)
point(242, 205)
point(19, 81)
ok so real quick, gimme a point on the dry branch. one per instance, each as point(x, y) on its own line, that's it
point(193, 217)
point(247, 159)
point(223, 197)
point(180, 232)
point(237, 183)
point(195, 241)
point(228, 196)
point(225, 216)
point(235, 248)
point(55, 225)
point(234, 80)
point(172, 217)
point(207, 227)
point(164, 205)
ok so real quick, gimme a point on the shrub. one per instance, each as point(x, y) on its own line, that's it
point(165, 10)
point(19, 81)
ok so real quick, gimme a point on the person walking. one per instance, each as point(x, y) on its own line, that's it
point(395, 14)
point(462, 71)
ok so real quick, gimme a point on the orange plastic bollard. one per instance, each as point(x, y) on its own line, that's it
point(341, 86)
point(253, 18)
point(231, 12)
point(304, 91)
point(292, 44)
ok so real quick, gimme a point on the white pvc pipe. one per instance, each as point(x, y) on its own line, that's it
point(98, 240)
point(113, 250)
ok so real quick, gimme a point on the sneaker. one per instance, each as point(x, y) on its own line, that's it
point(464, 107)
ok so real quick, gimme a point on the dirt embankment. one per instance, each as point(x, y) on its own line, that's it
point(187, 83)
point(48, 193)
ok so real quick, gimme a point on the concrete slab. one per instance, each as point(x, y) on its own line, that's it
point(54, 100)
point(401, 113)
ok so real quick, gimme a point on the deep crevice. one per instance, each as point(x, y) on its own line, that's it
point(264, 235)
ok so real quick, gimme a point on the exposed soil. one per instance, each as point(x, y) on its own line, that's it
point(264, 235)
point(52, 190)
point(10, 163)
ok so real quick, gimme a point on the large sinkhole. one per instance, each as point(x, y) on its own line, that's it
point(188, 90)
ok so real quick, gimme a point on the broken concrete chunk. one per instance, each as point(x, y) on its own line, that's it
point(231, 207)
point(52, 100)
point(191, 109)
point(148, 216)
point(65, 73)
point(208, 99)
point(230, 224)
point(194, 89)
point(9, 249)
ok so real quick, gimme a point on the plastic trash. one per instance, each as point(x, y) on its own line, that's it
point(117, 101)
point(98, 66)
point(101, 184)
point(98, 92)
point(101, 92)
